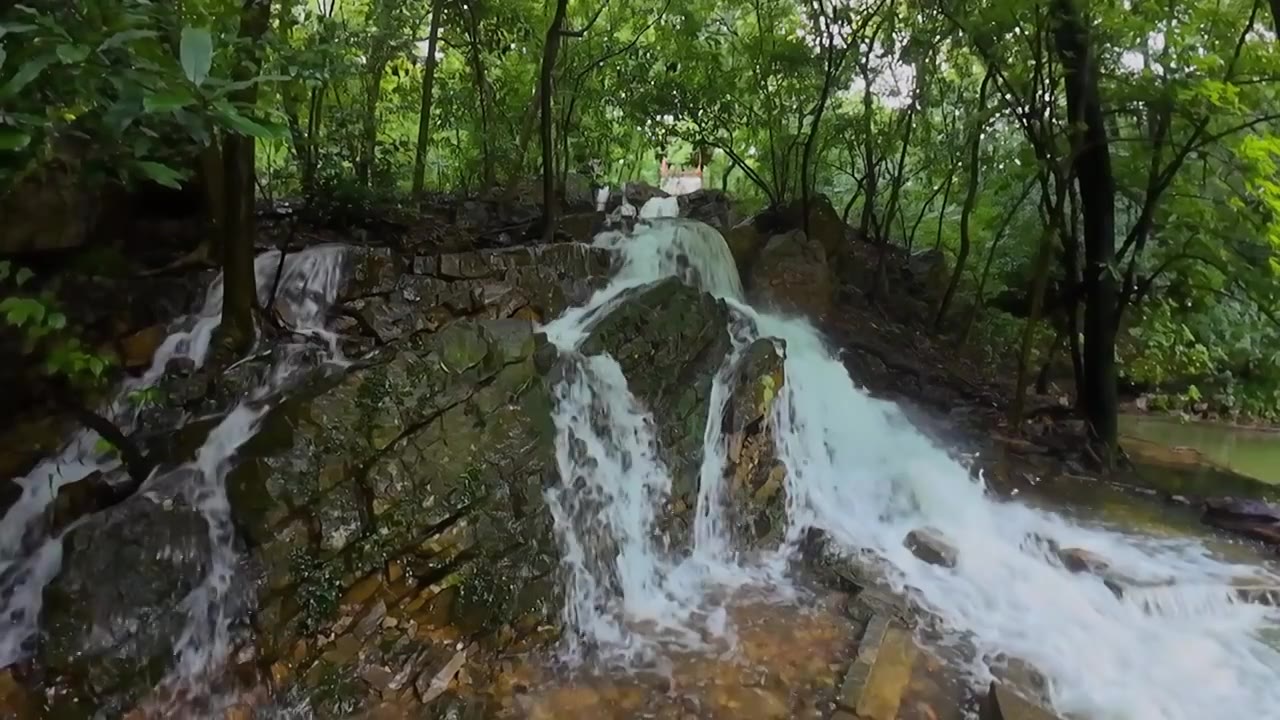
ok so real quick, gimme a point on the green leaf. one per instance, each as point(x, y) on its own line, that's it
point(3, 55)
point(72, 54)
point(162, 174)
point(56, 321)
point(13, 139)
point(23, 275)
point(18, 311)
point(240, 124)
point(197, 54)
point(125, 36)
point(29, 71)
point(167, 101)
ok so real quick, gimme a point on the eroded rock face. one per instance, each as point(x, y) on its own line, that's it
point(536, 283)
point(757, 494)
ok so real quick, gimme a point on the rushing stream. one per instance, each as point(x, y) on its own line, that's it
point(859, 470)
point(856, 469)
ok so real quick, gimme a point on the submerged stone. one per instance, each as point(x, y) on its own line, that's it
point(1003, 703)
point(929, 545)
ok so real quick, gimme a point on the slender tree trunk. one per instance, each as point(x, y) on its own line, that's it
point(1097, 198)
point(1040, 281)
point(424, 112)
point(550, 204)
point(942, 212)
point(880, 285)
point(526, 137)
point(970, 199)
point(1042, 380)
point(369, 123)
point(482, 93)
point(239, 286)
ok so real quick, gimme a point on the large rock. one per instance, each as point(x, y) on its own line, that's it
point(670, 340)
point(792, 275)
point(391, 513)
point(112, 615)
point(712, 207)
point(748, 239)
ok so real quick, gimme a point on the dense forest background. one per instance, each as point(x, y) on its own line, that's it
point(1100, 174)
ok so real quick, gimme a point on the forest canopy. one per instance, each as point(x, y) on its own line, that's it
point(1101, 175)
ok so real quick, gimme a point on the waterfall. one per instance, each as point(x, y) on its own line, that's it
point(309, 282)
point(860, 471)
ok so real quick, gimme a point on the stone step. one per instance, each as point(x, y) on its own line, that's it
point(874, 685)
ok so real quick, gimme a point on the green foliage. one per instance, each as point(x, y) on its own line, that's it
point(880, 96)
point(44, 332)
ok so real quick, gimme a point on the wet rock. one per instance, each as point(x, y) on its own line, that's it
point(137, 349)
point(581, 227)
point(1078, 560)
point(1003, 703)
point(712, 207)
point(112, 615)
point(432, 461)
point(874, 685)
point(1254, 519)
point(756, 477)
point(670, 340)
point(791, 274)
point(638, 193)
point(930, 546)
point(484, 284)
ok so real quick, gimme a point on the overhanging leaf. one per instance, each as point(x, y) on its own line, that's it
point(159, 173)
point(125, 36)
point(233, 120)
point(72, 54)
point(167, 100)
point(197, 54)
point(29, 71)
point(13, 139)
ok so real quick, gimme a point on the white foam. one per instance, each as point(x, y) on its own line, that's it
point(858, 469)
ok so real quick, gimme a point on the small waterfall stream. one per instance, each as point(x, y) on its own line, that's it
point(308, 284)
point(859, 470)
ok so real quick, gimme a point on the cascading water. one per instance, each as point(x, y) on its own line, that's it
point(859, 470)
point(308, 284)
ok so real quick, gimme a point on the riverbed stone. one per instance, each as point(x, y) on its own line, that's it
point(873, 687)
point(931, 546)
point(792, 275)
point(1003, 703)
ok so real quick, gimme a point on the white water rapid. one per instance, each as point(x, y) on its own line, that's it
point(309, 283)
point(859, 470)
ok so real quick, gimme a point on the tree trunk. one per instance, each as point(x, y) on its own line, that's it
point(550, 205)
point(424, 112)
point(942, 213)
point(1038, 284)
point(239, 286)
point(369, 123)
point(476, 61)
point(879, 287)
point(970, 199)
point(1097, 199)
